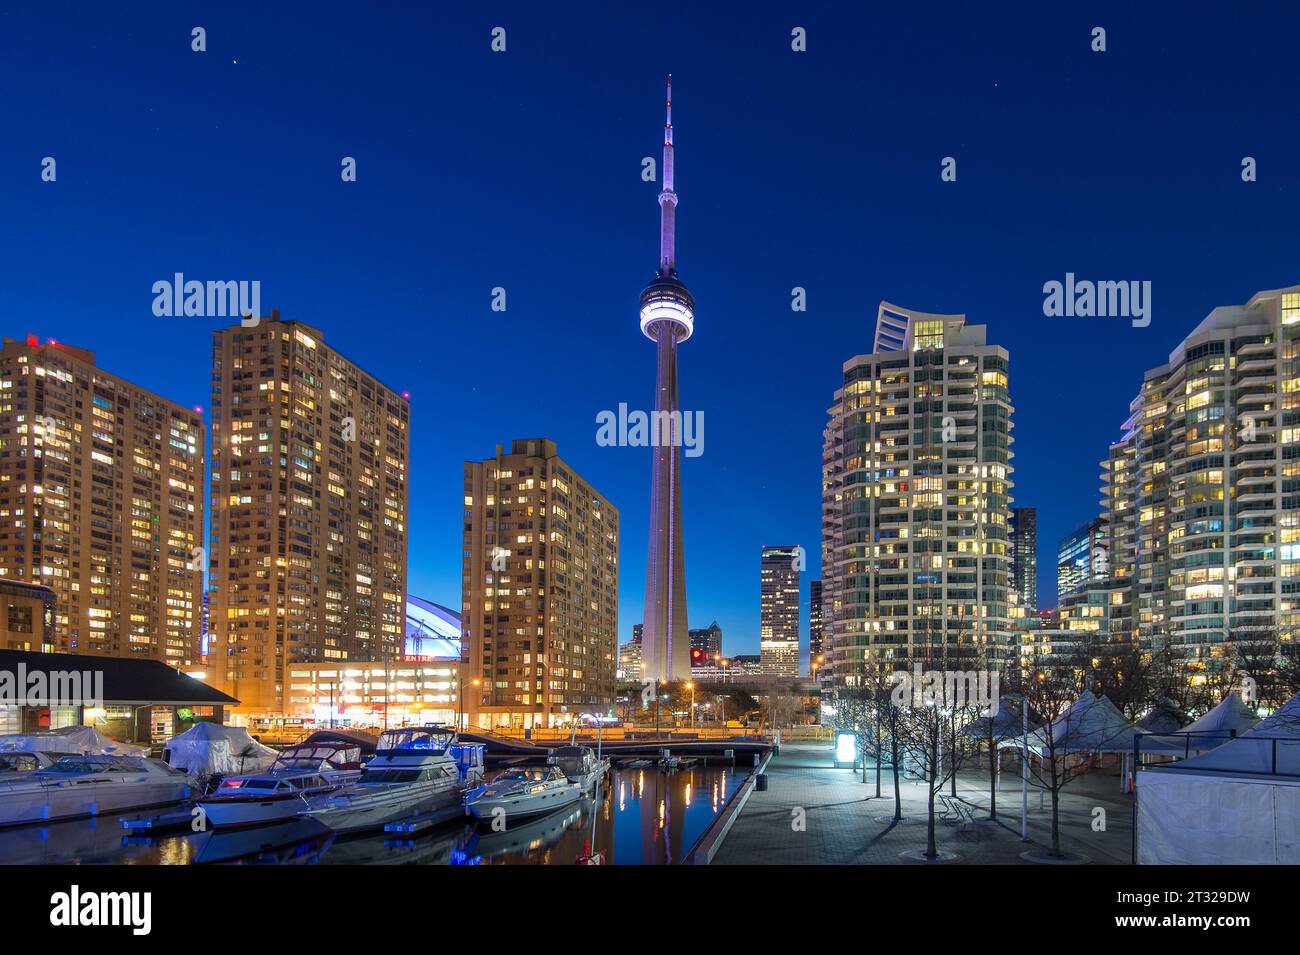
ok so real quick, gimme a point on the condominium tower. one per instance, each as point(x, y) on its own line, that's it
point(309, 507)
point(540, 590)
point(101, 501)
point(1202, 491)
point(778, 637)
point(916, 479)
point(1023, 548)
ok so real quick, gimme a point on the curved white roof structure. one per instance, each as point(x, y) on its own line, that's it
point(432, 630)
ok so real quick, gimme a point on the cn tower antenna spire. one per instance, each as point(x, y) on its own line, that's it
point(668, 198)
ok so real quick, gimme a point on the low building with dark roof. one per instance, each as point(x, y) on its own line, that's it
point(136, 701)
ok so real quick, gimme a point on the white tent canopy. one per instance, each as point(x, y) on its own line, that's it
point(1234, 805)
point(1254, 751)
point(82, 740)
point(1091, 724)
point(206, 749)
point(1215, 727)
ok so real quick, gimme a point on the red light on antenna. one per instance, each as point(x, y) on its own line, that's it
point(33, 341)
point(406, 395)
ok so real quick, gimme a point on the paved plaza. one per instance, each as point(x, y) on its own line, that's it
point(844, 823)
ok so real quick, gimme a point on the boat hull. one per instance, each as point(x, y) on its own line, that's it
point(24, 805)
point(373, 810)
point(233, 813)
point(524, 805)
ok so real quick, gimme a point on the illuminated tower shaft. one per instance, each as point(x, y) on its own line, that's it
point(667, 319)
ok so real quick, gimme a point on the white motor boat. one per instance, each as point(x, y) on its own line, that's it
point(15, 765)
point(522, 793)
point(579, 764)
point(412, 773)
point(280, 791)
point(91, 786)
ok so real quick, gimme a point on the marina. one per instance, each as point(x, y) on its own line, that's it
point(637, 816)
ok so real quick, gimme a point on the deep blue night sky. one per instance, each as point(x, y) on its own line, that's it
point(522, 170)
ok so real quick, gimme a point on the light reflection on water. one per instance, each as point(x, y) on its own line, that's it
point(642, 816)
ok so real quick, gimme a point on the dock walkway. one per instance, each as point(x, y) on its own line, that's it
point(841, 818)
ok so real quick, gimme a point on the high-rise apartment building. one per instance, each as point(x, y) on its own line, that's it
point(101, 501)
point(1023, 553)
point(778, 636)
point(540, 598)
point(309, 508)
point(1082, 557)
point(916, 481)
point(1202, 491)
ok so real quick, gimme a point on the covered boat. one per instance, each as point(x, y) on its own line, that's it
point(211, 750)
point(85, 740)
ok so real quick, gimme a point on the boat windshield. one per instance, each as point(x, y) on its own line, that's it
point(299, 757)
point(390, 775)
point(79, 765)
point(421, 738)
point(532, 775)
point(296, 762)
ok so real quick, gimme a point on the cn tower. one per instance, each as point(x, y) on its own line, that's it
point(667, 319)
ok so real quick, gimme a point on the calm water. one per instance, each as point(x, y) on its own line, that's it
point(642, 817)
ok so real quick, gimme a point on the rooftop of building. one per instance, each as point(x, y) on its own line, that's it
point(126, 680)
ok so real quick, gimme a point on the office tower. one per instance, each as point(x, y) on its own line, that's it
point(1201, 492)
point(1082, 556)
point(778, 637)
point(101, 493)
point(706, 645)
point(309, 506)
point(540, 602)
point(816, 626)
point(667, 319)
point(1023, 546)
point(916, 481)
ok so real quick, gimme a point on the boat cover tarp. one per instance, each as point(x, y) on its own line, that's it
point(1227, 806)
point(85, 740)
point(206, 749)
point(364, 741)
point(1091, 724)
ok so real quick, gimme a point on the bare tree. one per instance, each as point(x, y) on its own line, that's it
point(1054, 689)
point(928, 716)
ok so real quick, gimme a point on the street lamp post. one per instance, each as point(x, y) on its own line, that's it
point(691, 687)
